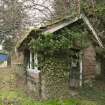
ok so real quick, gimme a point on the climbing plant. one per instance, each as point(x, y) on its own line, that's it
point(64, 39)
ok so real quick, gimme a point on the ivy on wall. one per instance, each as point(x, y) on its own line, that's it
point(63, 39)
point(55, 60)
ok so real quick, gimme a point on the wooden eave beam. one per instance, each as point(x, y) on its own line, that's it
point(87, 22)
point(58, 27)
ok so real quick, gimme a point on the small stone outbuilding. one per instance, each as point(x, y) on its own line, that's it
point(57, 74)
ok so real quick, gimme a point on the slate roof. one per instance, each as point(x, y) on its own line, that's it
point(61, 24)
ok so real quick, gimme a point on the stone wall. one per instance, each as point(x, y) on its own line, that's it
point(27, 80)
point(34, 84)
point(20, 75)
point(17, 58)
point(17, 64)
point(55, 78)
point(89, 63)
point(103, 67)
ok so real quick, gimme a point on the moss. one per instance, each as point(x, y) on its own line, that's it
point(55, 77)
point(73, 36)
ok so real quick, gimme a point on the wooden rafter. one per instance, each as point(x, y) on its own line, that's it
point(87, 22)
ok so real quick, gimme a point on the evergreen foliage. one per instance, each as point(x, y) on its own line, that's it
point(64, 39)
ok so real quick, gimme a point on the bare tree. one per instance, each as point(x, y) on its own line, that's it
point(38, 11)
point(11, 15)
point(15, 15)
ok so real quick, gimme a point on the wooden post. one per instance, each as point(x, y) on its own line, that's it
point(30, 60)
point(87, 22)
point(81, 69)
point(36, 61)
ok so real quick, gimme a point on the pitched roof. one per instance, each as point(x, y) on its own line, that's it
point(87, 22)
point(61, 24)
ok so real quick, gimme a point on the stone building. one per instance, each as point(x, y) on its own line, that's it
point(56, 75)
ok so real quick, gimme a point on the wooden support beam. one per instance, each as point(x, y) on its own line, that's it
point(81, 69)
point(30, 60)
point(87, 22)
point(35, 61)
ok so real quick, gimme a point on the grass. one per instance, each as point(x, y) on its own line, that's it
point(22, 99)
point(88, 95)
point(95, 93)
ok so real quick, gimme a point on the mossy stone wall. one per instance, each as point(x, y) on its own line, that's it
point(55, 78)
point(89, 64)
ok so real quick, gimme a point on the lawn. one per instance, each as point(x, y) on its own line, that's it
point(95, 93)
point(18, 97)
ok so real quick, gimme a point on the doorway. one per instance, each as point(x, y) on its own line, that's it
point(75, 69)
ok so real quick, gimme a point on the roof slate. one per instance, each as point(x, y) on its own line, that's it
point(61, 24)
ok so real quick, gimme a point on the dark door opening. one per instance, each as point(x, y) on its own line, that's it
point(75, 70)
